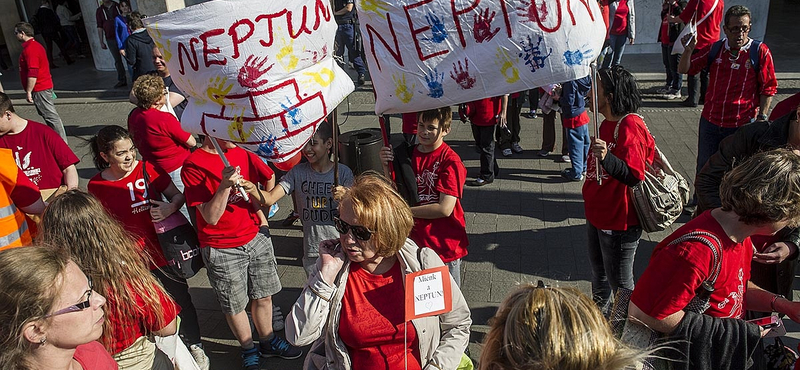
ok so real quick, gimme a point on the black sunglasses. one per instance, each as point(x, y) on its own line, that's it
point(76, 307)
point(359, 232)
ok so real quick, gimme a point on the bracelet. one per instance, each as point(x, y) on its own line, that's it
point(774, 299)
point(761, 117)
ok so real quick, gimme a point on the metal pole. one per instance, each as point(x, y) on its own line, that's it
point(598, 171)
point(239, 188)
point(335, 128)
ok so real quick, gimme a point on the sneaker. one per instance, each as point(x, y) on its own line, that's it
point(250, 359)
point(569, 174)
point(290, 219)
point(689, 103)
point(516, 148)
point(279, 347)
point(663, 89)
point(672, 95)
point(564, 159)
point(277, 318)
point(361, 79)
point(199, 356)
point(480, 181)
point(544, 153)
point(507, 152)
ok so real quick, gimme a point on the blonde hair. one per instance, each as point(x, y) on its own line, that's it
point(764, 189)
point(378, 207)
point(542, 328)
point(31, 277)
point(148, 89)
point(107, 253)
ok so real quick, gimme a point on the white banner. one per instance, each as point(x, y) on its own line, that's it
point(257, 73)
point(433, 53)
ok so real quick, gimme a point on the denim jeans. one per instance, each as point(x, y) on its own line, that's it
point(614, 50)
point(579, 143)
point(709, 136)
point(346, 38)
point(505, 138)
point(674, 79)
point(454, 267)
point(611, 254)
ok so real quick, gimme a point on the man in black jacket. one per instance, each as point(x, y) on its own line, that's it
point(47, 23)
point(139, 47)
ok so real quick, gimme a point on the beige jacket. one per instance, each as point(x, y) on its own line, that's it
point(315, 318)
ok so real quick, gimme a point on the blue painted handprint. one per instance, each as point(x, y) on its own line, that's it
point(576, 57)
point(434, 80)
point(437, 28)
point(532, 54)
point(293, 113)
point(268, 146)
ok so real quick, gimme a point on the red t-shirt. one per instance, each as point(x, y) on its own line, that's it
point(484, 112)
point(575, 122)
point(93, 356)
point(608, 206)
point(410, 123)
point(159, 137)
point(708, 31)
point(675, 272)
point(25, 192)
point(125, 330)
point(734, 89)
point(785, 107)
point(620, 26)
point(41, 154)
point(440, 171)
point(663, 33)
point(126, 199)
point(202, 174)
point(33, 63)
point(371, 322)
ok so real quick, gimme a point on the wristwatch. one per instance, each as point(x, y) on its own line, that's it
point(761, 117)
point(774, 299)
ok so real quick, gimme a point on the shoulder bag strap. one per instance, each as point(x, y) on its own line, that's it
point(712, 242)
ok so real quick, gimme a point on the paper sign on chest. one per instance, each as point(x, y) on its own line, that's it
point(432, 53)
point(257, 73)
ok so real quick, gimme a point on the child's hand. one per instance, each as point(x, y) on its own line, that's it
point(387, 155)
point(338, 192)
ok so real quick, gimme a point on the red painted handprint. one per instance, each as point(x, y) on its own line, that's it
point(482, 26)
point(461, 75)
point(252, 71)
point(531, 12)
point(317, 56)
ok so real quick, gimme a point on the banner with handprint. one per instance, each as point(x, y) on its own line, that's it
point(257, 73)
point(431, 53)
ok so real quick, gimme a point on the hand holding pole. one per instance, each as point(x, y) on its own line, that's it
point(239, 188)
point(598, 171)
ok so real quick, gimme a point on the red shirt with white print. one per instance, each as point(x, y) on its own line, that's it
point(675, 272)
point(440, 171)
point(202, 174)
point(607, 205)
point(41, 154)
point(708, 31)
point(734, 86)
point(126, 200)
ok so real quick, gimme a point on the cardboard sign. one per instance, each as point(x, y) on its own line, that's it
point(257, 73)
point(428, 293)
point(425, 54)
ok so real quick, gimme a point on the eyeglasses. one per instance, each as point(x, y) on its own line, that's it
point(76, 307)
point(359, 232)
point(738, 29)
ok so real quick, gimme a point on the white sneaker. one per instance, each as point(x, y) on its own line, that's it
point(673, 95)
point(277, 318)
point(565, 159)
point(506, 152)
point(199, 356)
point(516, 148)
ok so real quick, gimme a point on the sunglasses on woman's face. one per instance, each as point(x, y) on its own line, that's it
point(76, 307)
point(359, 232)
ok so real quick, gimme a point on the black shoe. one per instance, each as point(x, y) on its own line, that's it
point(279, 347)
point(689, 103)
point(480, 181)
point(121, 84)
point(361, 79)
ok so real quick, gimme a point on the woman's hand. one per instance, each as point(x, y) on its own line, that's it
point(599, 148)
point(161, 210)
point(774, 253)
point(387, 155)
point(332, 257)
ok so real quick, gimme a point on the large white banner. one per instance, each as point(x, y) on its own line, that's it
point(432, 53)
point(258, 73)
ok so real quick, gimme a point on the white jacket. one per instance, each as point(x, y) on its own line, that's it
point(315, 318)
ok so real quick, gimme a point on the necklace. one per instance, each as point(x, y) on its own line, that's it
point(733, 58)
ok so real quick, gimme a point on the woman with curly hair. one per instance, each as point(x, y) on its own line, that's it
point(138, 307)
point(544, 328)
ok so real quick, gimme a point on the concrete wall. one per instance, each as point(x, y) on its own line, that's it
point(648, 20)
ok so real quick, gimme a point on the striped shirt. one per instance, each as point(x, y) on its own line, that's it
point(734, 86)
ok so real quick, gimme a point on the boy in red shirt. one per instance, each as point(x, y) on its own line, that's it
point(439, 218)
point(483, 115)
point(233, 247)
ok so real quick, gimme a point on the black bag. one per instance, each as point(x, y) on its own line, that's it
point(178, 241)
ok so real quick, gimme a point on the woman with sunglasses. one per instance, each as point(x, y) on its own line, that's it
point(350, 307)
point(50, 318)
point(138, 307)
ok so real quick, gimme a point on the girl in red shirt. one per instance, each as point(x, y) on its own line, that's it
point(621, 29)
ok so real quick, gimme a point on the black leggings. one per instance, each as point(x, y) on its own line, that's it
point(179, 290)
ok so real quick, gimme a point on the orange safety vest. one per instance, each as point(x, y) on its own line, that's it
point(13, 227)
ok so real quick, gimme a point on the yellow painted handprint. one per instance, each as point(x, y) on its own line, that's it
point(323, 78)
point(165, 52)
point(373, 6)
point(217, 90)
point(401, 90)
point(236, 129)
point(507, 68)
point(286, 56)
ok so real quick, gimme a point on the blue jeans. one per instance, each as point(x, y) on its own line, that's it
point(674, 79)
point(614, 50)
point(611, 254)
point(709, 136)
point(579, 142)
point(346, 38)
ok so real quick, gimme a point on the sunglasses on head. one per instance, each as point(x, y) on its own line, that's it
point(359, 232)
point(76, 307)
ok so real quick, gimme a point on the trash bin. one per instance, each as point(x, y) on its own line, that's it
point(360, 150)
